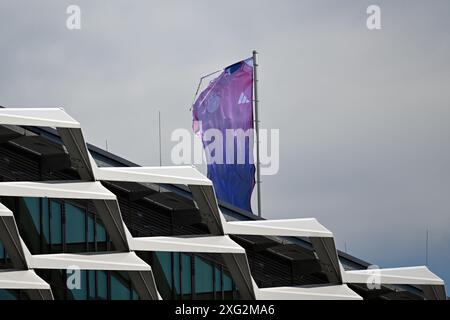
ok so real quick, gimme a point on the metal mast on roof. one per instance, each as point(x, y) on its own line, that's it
point(159, 138)
point(426, 249)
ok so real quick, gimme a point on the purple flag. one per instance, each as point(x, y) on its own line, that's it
point(227, 106)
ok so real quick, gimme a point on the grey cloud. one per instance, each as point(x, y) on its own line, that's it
point(364, 116)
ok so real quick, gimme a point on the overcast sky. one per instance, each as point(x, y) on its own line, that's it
point(364, 116)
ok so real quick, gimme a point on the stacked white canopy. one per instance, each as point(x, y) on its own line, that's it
point(222, 244)
point(163, 175)
point(292, 227)
point(68, 129)
point(319, 292)
point(201, 244)
point(27, 279)
point(22, 280)
point(38, 117)
point(215, 244)
point(409, 275)
point(90, 188)
point(122, 261)
point(19, 278)
point(64, 190)
point(432, 286)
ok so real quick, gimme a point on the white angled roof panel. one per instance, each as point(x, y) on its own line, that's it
point(326, 292)
point(39, 117)
point(208, 244)
point(66, 190)
point(21, 279)
point(126, 261)
point(164, 175)
point(409, 275)
point(291, 227)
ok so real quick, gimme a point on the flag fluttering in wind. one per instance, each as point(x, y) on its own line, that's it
point(226, 107)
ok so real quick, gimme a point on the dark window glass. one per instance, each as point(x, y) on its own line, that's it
point(135, 295)
point(218, 280)
point(166, 264)
point(227, 283)
point(6, 295)
point(176, 271)
point(101, 232)
point(90, 228)
point(102, 285)
point(75, 224)
point(55, 222)
point(203, 276)
point(91, 279)
point(119, 291)
point(45, 220)
point(33, 208)
point(2, 250)
point(186, 274)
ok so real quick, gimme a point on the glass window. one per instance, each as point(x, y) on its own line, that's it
point(75, 224)
point(45, 220)
point(135, 295)
point(186, 274)
point(101, 232)
point(218, 280)
point(166, 264)
point(91, 279)
point(102, 285)
point(176, 271)
point(203, 276)
point(81, 292)
point(55, 222)
point(227, 283)
point(32, 205)
point(119, 291)
point(90, 228)
point(2, 250)
point(7, 295)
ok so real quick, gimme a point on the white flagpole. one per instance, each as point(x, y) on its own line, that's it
point(255, 88)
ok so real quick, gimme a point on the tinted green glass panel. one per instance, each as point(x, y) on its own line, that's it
point(176, 271)
point(218, 280)
point(75, 224)
point(101, 232)
point(55, 222)
point(119, 291)
point(2, 251)
point(102, 285)
point(33, 208)
point(91, 279)
point(186, 274)
point(6, 295)
point(90, 229)
point(46, 219)
point(203, 276)
point(166, 264)
point(227, 283)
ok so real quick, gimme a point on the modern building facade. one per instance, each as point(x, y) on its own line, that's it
point(77, 222)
